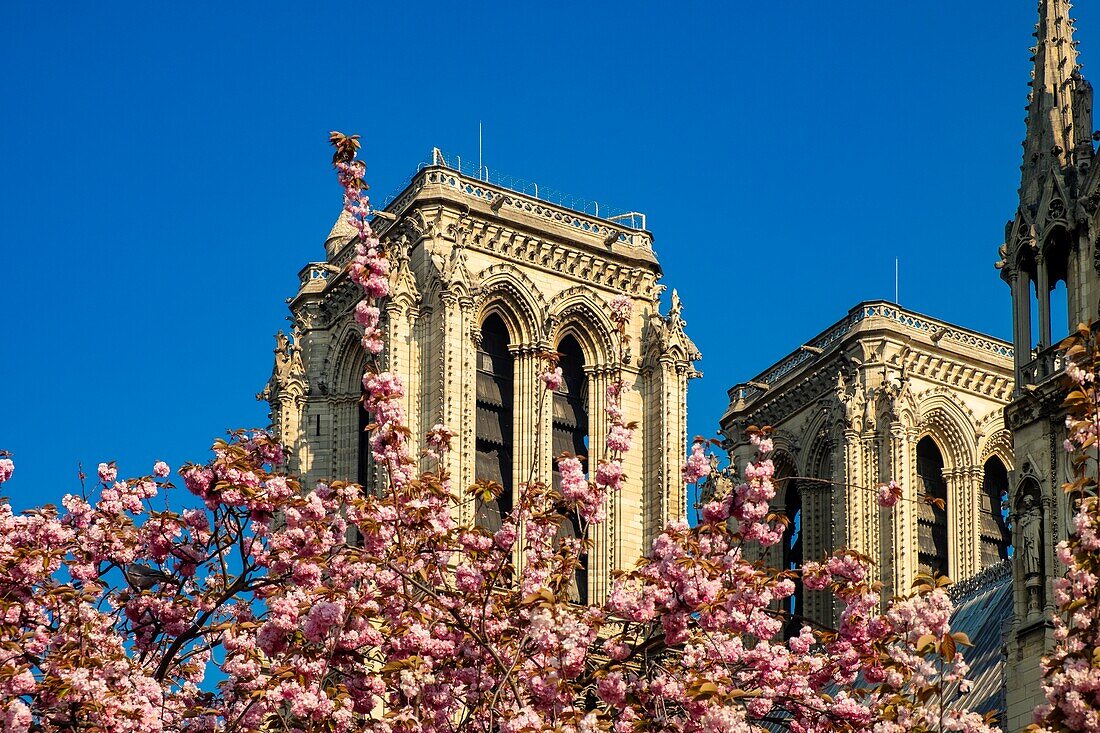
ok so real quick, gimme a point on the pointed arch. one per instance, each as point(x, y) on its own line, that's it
point(578, 312)
point(510, 294)
point(997, 443)
point(348, 359)
point(951, 424)
point(817, 432)
point(785, 448)
point(1052, 210)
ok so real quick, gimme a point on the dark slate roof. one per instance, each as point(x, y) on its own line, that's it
point(983, 611)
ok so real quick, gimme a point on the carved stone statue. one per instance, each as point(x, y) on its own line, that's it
point(856, 404)
point(869, 413)
point(675, 317)
point(1030, 519)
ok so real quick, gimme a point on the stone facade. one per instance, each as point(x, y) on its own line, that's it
point(1052, 239)
point(886, 394)
point(464, 251)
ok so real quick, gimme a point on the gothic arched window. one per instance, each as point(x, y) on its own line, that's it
point(792, 553)
point(995, 536)
point(570, 435)
point(931, 518)
point(493, 429)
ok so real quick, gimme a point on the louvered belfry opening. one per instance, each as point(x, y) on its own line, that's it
point(493, 440)
point(996, 538)
point(570, 435)
point(931, 520)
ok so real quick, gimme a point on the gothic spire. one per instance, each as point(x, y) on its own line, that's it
point(1059, 120)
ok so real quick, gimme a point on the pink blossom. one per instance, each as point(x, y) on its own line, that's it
point(552, 378)
point(108, 472)
point(572, 476)
point(696, 467)
point(439, 439)
point(367, 315)
point(161, 469)
point(321, 618)
point(763, 444)
point(619, 438)
point(888, 494)
point(622, 306)
point(7, 468)
point(815, 576)
point(609, 475)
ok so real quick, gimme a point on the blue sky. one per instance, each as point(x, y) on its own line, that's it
point(165, 175)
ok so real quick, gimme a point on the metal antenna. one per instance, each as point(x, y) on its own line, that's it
point(896, 281)
point(479, 166)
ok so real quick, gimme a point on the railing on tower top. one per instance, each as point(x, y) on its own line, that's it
point(1045, 363)
point(908, 320)
point(635, 220)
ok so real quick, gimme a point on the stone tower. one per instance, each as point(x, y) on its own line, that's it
point(483, 278)
point(1051, 263)
point(885, 393)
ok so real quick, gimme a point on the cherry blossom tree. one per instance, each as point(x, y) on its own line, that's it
point(274, 606)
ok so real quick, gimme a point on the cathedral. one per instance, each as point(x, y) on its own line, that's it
point(973, 423)
point(484, 278)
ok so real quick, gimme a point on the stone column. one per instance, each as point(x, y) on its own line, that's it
point(1073, 279)
point(961, 522)
point(400, 319)
point(542, 427)
point(345, 420)
point(1021, 301)
point(1043, 293)
point(456, 384)
point(975, 478)
point(901, 519)
point(861, 510)
point(601, 559)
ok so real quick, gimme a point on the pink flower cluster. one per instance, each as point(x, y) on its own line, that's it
point(388, 441)
point(888, 495)
point(696, 467)
point(108, 472)
point(7, 468)
point(368, 317)
point(552, 378)
point(622, 307)
point(439, 440)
